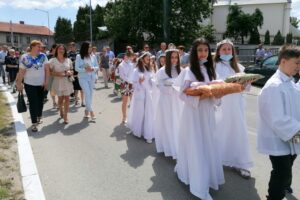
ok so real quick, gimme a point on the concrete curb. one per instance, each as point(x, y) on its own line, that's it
point(30, 178)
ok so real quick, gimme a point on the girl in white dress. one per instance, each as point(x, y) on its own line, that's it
point(140, 116)
point(169, 106)
point(231, 120)
point(198, 158)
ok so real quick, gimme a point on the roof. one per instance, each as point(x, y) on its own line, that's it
point(25, 28)
point(249, 2)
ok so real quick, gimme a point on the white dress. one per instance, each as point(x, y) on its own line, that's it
point(231, 124)
point(140, 116)
point(167, 115)
point(198, 158)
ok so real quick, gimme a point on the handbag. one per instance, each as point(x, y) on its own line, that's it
point(21, 105)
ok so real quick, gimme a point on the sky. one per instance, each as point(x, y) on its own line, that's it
point(24, 10)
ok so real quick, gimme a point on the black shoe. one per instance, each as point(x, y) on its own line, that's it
point(82, 105)
point(289, 190)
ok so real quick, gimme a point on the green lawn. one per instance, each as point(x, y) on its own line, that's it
point(10, 178)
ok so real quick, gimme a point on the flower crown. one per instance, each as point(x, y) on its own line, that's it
point(226, 41)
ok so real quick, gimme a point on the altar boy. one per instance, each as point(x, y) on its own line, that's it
point(279, 121)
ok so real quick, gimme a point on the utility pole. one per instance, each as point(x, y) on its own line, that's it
point(91, 25)
point(11, 35)
point(49, 33)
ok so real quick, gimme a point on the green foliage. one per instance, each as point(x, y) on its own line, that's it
point(185, 20)
point(267, 38)
point(278, 39)
point(82, 23)
point(207, 32)
point(294, 22)
point(130, 20)
point(289, 38)
point(63, 30)
point(240, 24)
point(254, 37)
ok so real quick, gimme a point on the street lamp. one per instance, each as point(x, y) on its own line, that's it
point(45, 11)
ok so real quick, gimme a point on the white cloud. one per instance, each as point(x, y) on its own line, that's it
point(49, 4)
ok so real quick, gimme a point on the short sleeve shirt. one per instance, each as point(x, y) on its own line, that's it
point(35, 68)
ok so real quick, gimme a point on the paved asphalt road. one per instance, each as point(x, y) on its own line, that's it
point(98, 161)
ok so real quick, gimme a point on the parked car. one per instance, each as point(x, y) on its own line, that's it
point(121, 55)
point(266, 68)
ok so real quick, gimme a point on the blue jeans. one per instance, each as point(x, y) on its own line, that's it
point(87, 86)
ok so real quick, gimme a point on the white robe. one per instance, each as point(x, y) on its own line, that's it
point(140, 116)
point(167, 114)
point(198, 158)
point(231, 124)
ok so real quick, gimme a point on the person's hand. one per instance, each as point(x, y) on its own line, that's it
point(141, 80)
point(88, 69)
point(245, 84)
point(20, 87)
point(69, 73)
point(45, 86)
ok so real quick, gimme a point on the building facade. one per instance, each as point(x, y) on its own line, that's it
point(276, 15)
point(20, 35)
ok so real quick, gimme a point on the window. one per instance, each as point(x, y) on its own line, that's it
point(28, 40)
point(271, 61)
point(8, 38)
point(16, 39)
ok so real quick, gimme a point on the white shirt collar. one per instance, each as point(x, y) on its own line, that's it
point(284, 77)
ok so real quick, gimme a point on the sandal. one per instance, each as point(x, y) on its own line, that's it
point(34, 128)
point(39, 120)
point(244, 173)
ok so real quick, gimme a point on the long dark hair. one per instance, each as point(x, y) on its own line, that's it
point(194, 62)
point(141, 65)
point(56, 50)
point(84, 49)
point(168, 66)
point(233, 61)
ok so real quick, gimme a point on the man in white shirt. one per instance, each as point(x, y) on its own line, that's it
point(279, 121)
point(260, 54)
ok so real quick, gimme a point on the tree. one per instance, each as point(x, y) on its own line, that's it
point(240, 24)
point(267, 37)
point(294, 21)
point(185, 20)
point(289, 38)
point(129, 21)
point(63, 31)
point(254, 37)
point(207, 32)
point(278, 39)
point(82, 23)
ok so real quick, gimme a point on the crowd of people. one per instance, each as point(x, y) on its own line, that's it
point(202, 134)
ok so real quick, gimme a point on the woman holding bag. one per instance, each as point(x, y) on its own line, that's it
point(32, 69)
point(61, 70)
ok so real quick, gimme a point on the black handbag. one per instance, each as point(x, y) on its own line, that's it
point(21, 105)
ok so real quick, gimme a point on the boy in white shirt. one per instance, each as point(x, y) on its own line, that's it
point(279, 121)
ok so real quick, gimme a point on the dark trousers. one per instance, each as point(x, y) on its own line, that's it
point(12, 74)
point(281, 176)
point(35, 95)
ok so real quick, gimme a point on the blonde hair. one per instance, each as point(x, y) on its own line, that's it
point(35, 43)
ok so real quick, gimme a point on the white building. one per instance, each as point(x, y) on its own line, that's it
point(276, 15)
